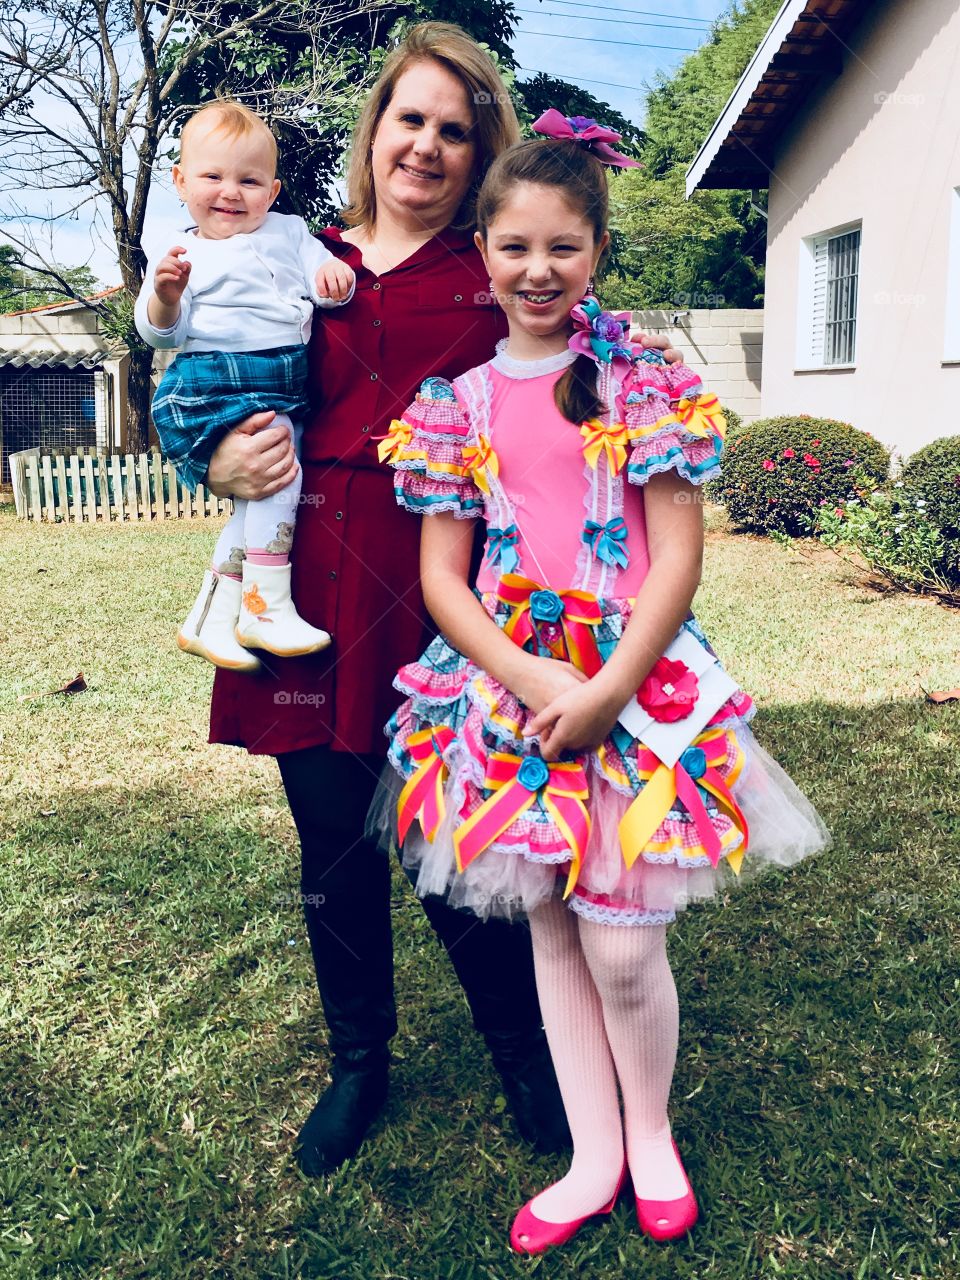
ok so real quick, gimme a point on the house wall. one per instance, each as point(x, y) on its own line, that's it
point(724, 346)
point(881, 144)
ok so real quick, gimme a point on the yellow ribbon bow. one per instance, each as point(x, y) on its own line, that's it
point(398, 438)
point(612, 440)
point(702, 416)
point(481, 462)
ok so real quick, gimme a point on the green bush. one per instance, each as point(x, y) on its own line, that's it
point(779, 473)
point(896, 540)
point(931, 483)
point(734, 421)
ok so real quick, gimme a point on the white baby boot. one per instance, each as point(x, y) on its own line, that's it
point(268, 618)
point(209, 628)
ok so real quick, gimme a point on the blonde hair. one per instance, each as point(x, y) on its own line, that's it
point(495, 127)
point(234, 120)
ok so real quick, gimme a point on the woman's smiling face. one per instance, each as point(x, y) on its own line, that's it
point(423, 152)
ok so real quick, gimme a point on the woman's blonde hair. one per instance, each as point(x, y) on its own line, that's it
point(495, 121)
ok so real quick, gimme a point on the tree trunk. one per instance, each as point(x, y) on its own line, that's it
point(139, 394)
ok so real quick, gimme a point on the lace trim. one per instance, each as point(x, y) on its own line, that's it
point(618, 915)
point(510, 367)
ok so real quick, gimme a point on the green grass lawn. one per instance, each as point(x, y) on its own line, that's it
point(161, 1034)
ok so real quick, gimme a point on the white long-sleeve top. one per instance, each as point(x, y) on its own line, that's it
point(251, 292)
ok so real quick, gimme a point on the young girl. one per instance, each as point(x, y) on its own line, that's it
point(239, 301)
point(533, 776)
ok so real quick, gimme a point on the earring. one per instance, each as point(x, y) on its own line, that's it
point(590, 285)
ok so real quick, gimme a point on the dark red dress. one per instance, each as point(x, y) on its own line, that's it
point(356, 553)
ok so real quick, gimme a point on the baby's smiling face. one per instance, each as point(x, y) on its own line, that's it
point(228, 184)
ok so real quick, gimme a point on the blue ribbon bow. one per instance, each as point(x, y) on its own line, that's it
point(502, 548)
point(607, 541)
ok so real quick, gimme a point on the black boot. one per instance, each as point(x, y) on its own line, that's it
point(351, 944)
point(494, 962)
point(339, 1122)
point(531, 1089)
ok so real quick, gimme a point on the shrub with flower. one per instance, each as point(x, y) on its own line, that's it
point(779, 473)
point(908, 532)
point(896, 540)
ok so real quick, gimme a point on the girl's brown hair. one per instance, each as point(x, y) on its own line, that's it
point(495, 124)
point(582, 181)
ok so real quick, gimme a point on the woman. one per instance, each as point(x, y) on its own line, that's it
point(436, 118)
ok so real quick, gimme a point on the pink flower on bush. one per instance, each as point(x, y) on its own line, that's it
point(849, 462)
point(789, 453)
point(814, 443)
point(811, 461)
point(670, 691)
point(838, 511)
point(769, 464)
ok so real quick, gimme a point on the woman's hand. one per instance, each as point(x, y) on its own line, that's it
point(578, 720)
point(254, 460)
point(544, 680)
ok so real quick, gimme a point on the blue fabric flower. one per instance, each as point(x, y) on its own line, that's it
point(533, 774)
point(694, 761)
point(545, 606)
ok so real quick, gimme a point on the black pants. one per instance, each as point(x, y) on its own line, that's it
point(345, 882)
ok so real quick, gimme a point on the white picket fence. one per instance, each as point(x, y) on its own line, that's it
point(92, 484)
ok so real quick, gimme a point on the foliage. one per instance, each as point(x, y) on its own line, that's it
point(22, 288)
point(931, 477)
point(779, 473)
point(733, 420)
point(708, 251)
point(117, 66)
point(896, 539)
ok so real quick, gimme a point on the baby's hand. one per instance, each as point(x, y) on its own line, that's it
point(171, 277)
point(334, 280)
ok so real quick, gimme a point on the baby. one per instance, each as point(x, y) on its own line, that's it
point(238, 300)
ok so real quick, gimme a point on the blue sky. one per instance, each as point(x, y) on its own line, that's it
point(611, 50)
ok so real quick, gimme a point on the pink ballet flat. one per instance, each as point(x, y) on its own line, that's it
point(529, 1235)
point(669, 1219)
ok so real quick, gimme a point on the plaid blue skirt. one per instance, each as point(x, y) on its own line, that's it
point(204, 394)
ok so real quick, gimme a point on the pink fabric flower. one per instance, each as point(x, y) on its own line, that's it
point(670, 691)
point(597, 137)
point(769, 464)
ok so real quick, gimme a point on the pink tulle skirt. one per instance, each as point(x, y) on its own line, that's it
point(530, 860)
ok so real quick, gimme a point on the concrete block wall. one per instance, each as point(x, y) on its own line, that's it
point(724, 346)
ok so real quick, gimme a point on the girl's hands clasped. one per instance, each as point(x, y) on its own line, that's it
point(579, 719)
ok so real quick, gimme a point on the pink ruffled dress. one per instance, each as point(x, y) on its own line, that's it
point(482, 818)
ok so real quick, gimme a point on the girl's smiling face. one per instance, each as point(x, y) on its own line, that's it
point(540, 253)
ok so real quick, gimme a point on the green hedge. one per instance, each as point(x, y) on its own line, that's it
point(779, 473)
point(931, 482)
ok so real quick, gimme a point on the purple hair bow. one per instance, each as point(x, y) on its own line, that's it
point(596, 137)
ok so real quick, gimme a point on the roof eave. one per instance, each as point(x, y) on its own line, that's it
point(776, 34)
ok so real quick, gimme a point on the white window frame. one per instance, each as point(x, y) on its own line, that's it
point(951, 327)
point(812, 299)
